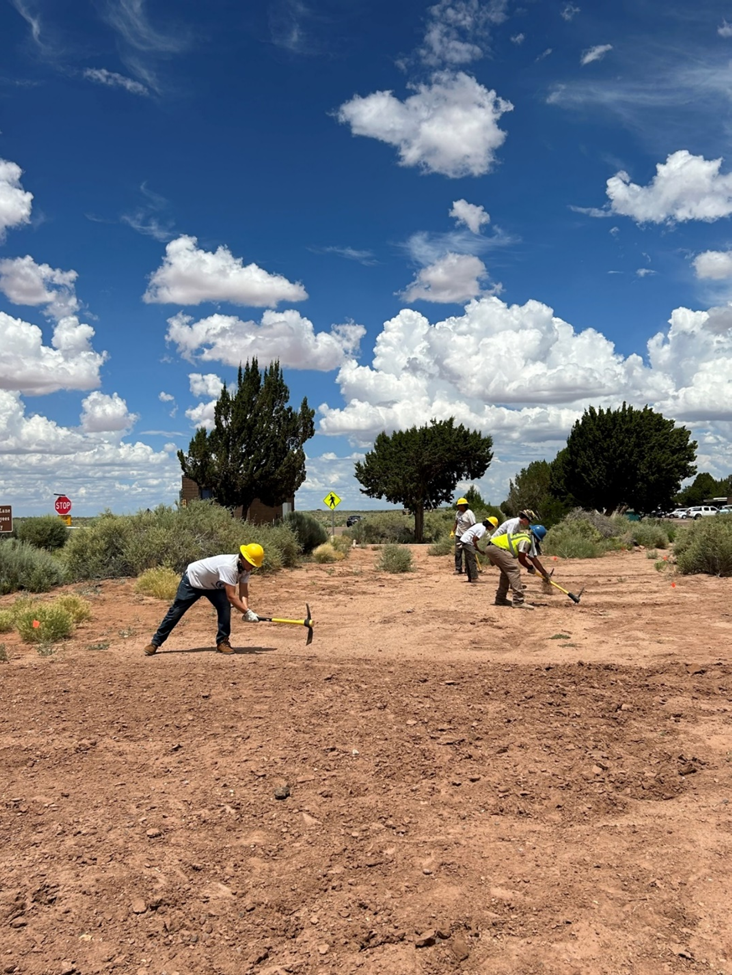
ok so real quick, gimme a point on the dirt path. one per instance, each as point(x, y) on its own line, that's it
point(472, 789)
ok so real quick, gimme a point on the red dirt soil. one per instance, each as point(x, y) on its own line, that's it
point(471, 788)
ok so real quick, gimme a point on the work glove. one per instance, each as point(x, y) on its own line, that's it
point(250, 617)
point(531, 570)
point(452, 534)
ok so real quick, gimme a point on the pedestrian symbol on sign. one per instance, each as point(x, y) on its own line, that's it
point(332, 500)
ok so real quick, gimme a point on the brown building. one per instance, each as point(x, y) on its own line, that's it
point(257, 513)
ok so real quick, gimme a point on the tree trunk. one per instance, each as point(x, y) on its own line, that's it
point(419, 523)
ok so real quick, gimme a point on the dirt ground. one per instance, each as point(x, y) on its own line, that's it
point(472, 789)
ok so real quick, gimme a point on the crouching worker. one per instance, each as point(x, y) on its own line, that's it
point(224, 581)
point(469, 544)
point(506, 552)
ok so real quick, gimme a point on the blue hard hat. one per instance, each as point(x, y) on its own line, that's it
point(539, 531)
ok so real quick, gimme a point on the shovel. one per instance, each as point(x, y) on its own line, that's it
point(308, 622)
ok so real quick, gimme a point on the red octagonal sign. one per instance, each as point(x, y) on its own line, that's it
point(63, 505)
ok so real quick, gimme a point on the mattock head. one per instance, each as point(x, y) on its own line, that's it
point(309, 624)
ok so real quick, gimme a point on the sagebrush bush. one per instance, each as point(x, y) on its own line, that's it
point(705, 547)
point(113, 546)
point(343, 544)
point(443, 546)
point(46, 531)
point(160, 582)
point(327, 553)
point(384, 526)
point(79, 609)
point(603, 526)
point(45, 624)
point(309, 531)
point(7, 621)
point(23, 566)
point(650, 533)
point(395, 558)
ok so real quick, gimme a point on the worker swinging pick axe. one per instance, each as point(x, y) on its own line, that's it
point(307, 622)
point(507, 552)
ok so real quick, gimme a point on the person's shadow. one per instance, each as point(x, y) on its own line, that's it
point(241, 651)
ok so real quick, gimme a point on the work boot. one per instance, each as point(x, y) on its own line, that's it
point(150, 649)
point(224, 647)
point(503, 602)
point(522, 606)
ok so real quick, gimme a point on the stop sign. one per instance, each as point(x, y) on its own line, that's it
point(63, 505)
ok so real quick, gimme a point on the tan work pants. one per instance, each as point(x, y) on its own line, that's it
point(510, 574)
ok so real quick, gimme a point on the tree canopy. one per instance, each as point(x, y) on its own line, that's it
point(420, 467)
point(626, 457)
point(255, 449)
point(704, 488)
point(535, 488)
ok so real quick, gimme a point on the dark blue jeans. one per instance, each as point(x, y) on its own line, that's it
point(186, 596)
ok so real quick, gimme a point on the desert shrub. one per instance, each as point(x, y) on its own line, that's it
point(23, 566)
point(343, 544)
point(127, 545)
point(650, 533)
point(384, 527)
point(705, 547)
point(437, 524)
point(309, 531)
point(443, 546)
point(604, 527)
point(3, 654)
point(395, 558)
point(47, 531)
point(651, 553)
point(78, 608)
point(6, 621)
point(46, 624)
point(326, 553)
point(160, 582)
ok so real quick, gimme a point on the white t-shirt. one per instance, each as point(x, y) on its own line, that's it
point(463, 521)
point(216, 572)
point(473, 535)
point(512, 525)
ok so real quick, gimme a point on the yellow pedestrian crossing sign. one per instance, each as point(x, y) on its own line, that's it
point(332, 500)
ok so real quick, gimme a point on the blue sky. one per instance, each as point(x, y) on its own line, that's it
point(498, 211)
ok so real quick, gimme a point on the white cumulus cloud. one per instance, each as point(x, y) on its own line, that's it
point(208, 385)
point(189, 276)
point(449, 126)
point(286, 336)
point(15, 202)
point(596, 53)
point(26, 283)
point(685, 187)
point(716, 265)
point(27, 365)
point(101, 413)
point(452, 278)
point(474, 217)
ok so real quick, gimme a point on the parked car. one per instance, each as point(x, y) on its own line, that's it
point(351, 520)
point(677, 513)
point(726, 509)
point(697, 511)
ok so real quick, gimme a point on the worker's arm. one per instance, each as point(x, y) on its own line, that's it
point(534, 563)
point(239, 600)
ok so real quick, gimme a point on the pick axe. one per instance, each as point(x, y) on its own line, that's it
point(308, 622)
point(575, 599)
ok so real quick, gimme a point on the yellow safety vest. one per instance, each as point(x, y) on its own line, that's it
point(509, 541)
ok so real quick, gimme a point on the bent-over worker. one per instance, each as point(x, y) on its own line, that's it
point(469, 544)
point(519, 524)
point(224, 581)
point(506, 552)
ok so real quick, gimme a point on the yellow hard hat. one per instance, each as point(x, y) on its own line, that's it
point(254, 554)
point(462, 501)
point(493, 520)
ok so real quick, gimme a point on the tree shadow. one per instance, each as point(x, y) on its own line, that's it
point(240, 651)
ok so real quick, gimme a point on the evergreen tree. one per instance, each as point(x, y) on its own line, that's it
point(534, 489)
point(626, 457)
point(421, 467)
point(255, 449)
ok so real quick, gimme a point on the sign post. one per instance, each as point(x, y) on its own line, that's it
point(332, 501)
point(6, 518)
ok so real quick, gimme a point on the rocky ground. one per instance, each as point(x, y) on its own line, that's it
point(435, 785)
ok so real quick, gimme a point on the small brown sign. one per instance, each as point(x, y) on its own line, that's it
point(6, 518)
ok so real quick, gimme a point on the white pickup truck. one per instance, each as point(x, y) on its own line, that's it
point(700, 511)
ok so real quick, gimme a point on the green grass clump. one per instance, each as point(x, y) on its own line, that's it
point(651, 553)
point(327, 553)
point(309, 531)
point(47, 531)
point(7, 621)
point(160, 583)
point(3, 654)
point(23, 566)
point(46, 624)
point(395, 558)
point(705, 547)
point(78, 608)
point(342, 544)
